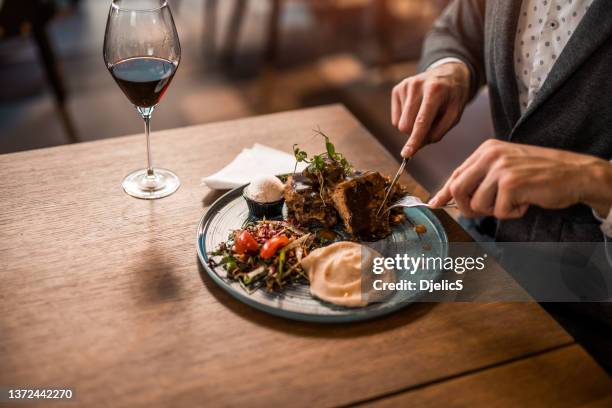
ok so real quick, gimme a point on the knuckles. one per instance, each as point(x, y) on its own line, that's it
point(433, 87)
point(420, 120)
point(508, 182)
point(479, 207)
point(492, 146)
point(457, 190)
point(456, 173)
point(502, 164)
point(410, 86)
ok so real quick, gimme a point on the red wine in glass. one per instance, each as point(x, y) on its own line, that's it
point(143, 79)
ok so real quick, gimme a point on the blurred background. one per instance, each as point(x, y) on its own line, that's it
point(239, 58)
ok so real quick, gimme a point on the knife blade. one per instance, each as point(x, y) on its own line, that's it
point(393, 181)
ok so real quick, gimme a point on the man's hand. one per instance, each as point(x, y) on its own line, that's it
point(428, 105)
point(503, 179)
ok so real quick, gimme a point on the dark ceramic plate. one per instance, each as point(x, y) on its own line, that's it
point(230, 212)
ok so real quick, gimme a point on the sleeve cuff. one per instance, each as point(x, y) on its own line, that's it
point(443, 61)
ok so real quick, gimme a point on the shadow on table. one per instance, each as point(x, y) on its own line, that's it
point(400, 318)
point(155, 278)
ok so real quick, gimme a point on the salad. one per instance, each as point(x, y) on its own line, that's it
point(267, 253)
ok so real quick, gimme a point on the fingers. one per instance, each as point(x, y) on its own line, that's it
point(464, 186)
point(427, 105)
point(399, 95)
point(466, 179)
point(483, 199)
point(422, 124)
point(414, 107)
point(410, 107)
point(396, 105)
point(444, 124)
point(495, 181)
point(460, 187)
point(507, 206)
point(443, 196)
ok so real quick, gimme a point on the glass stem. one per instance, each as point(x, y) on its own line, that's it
point(147, 121)
point(146, 116)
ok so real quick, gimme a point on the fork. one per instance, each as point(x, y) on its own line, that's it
point(409, 201)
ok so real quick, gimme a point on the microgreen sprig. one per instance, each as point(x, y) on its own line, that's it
point(316, 164)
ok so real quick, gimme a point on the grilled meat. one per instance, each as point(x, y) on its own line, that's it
point(357, 200)
point(306, 204)
point(354, 199)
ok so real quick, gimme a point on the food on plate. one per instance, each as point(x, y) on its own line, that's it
point(266, 253)
point(341, 273)
point(265, 189)
point(306, 204)
point(245, 243)
point(329, 190)
point(420, 229)
point(303, 248)
point(357, 200)
point(271, 246)
point(264, 196)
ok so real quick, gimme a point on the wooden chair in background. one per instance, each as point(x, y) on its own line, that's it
point(384, 12)
point(30, 18)
point(230, 42)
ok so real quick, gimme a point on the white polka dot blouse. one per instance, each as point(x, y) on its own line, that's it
point(544, 28)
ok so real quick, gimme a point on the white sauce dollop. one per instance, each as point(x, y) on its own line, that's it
point(265, 189)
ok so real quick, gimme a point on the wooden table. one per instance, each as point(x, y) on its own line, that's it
point(102, 293)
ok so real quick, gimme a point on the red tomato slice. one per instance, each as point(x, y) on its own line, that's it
point(272, 245)
point(245, 243)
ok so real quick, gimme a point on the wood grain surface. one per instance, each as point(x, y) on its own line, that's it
point(102, 292)
point(566, 377)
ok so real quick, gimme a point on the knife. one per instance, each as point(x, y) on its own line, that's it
point(393, 181)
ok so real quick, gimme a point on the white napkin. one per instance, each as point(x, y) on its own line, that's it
point(251, 163)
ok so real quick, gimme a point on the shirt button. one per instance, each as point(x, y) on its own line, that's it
point(552, 24)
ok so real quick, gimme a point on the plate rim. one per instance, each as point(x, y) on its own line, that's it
point(296, 315)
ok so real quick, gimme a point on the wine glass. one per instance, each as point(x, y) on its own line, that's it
point(142, 53)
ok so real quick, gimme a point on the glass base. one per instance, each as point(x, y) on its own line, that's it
point(160, 184)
